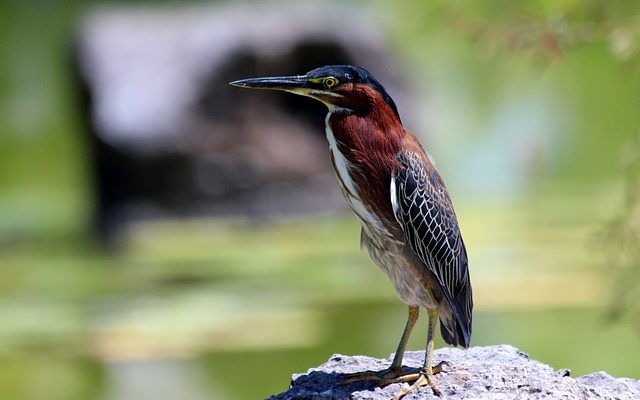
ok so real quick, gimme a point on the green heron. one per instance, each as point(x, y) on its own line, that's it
point(392, 185)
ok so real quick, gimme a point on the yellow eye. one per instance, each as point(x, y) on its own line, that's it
point(330, 82)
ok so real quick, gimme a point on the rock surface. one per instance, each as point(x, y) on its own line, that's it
point(493, 372)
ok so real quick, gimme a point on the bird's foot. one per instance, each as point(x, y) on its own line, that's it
point(424, 379)
point(385, 377)
point(417, 378)
point(420, 379)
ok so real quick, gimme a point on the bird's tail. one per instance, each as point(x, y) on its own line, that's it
point(455, 317)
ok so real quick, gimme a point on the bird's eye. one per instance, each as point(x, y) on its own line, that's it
point(330, 82)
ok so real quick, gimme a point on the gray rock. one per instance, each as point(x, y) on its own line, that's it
point(493, 372)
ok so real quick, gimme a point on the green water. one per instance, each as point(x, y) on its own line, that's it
point(229, 309)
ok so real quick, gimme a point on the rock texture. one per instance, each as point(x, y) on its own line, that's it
point(494, 372)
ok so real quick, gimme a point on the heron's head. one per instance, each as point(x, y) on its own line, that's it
point(337, 86)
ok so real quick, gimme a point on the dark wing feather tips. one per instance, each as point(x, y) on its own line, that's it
point(423, 209)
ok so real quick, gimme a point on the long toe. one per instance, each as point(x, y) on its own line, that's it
point(438, 368)
point(423, 380)
point(384, 377)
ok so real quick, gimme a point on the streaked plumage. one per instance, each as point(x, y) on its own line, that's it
point(408, 223)
point(423, 209)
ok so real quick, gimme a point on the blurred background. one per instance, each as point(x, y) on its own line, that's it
point(165, 236)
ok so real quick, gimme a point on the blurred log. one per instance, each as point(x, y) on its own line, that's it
point(170, 137)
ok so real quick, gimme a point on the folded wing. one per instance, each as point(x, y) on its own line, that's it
point(423, 209)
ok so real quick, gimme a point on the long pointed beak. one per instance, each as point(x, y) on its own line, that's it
point(289, 83)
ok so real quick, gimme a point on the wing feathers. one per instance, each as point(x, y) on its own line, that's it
point(423, 209)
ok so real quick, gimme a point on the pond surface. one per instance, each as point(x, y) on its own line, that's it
point(227, 309)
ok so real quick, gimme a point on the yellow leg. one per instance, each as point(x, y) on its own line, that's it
point(395, 370)
point(414, 313)
point(428, 359)
point(424, 377)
